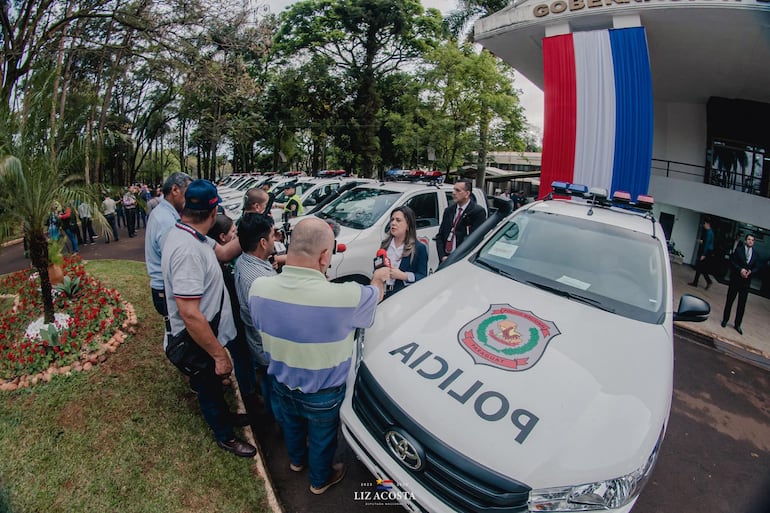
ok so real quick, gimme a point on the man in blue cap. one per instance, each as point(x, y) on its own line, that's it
point(195, 296)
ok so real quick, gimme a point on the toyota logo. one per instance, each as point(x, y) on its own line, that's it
point(405, 449)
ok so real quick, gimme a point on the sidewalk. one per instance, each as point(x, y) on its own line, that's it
point(753, 346)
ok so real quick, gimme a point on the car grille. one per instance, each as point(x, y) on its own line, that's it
point(464, 485)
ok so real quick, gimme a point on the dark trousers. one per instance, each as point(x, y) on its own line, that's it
point(159, 302)
point(743, 294)
point(243, 365)
point(131, 221)
point(111, 219)
point(211, 398)
point(88, 229)
point(703, 267)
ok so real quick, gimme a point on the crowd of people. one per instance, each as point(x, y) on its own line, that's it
point(274, 318)
point(74, 223)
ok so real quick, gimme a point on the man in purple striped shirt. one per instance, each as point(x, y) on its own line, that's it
point(307, 325)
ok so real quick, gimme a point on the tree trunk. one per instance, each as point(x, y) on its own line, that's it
point(182, 136)
point(38, 252)
point(116, 70)
point(481, 167)
point(55, 89)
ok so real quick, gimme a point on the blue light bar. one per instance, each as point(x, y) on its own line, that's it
point(577, 189)
point(560, 188)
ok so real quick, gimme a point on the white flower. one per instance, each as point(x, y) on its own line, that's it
point(61, 322)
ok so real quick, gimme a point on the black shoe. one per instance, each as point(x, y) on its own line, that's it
point(723, 324)
point(693, 284)
point(739, 330)
point(238, 447)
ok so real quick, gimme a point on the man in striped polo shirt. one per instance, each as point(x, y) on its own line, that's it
point(307, 325)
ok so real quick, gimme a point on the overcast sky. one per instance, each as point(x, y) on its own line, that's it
point(531, 97)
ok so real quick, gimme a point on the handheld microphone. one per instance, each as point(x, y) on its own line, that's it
point(381, 259)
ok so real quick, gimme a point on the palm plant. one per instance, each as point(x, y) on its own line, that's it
point(468, 11)
point(32, 178)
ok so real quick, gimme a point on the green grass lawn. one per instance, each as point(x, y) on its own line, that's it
point(126, 436)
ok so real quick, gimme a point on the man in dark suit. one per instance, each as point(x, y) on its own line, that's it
point(743, 263)
point(459, 220)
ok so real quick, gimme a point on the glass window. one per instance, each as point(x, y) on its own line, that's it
point(360, 208)
point(614, 269)
point(425, 208)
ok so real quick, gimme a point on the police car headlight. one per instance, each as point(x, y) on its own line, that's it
point(359, 345)
point(602, 495)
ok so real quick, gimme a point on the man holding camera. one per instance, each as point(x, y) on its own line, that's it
point(195, 297)
point(307, 325)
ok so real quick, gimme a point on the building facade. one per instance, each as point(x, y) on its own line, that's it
point(709, 63)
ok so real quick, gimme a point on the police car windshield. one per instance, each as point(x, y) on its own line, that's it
point(360, 208)
point(616, 269)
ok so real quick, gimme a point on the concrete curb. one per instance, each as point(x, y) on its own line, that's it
point(729, 348)
point(12, 242)
point(259, 459)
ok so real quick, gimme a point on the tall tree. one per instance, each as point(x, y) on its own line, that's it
point(474, 91)
point(366, 39)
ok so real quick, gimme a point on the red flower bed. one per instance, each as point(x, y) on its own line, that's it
point(95, 314)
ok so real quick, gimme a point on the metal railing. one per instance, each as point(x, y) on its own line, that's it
point(674, 169)
point(735, 179)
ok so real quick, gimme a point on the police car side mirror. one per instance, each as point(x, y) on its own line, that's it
point(692, 309)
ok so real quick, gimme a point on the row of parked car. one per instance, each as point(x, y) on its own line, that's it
point(533, 371)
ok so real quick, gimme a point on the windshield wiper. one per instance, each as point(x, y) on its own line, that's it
point(497, 270)
point(577, 297)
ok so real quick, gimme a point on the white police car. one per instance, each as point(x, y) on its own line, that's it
point(534, 373)
point(363, 214)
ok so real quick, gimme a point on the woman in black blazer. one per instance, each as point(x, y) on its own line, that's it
point(408, 256)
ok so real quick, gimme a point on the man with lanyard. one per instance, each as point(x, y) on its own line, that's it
point(307, 325)
point(459, 220)
point(129, 205)
point(196, 295)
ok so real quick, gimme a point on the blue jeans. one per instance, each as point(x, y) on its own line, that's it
point(211, 398)
point(73, 239)
point(310, 423)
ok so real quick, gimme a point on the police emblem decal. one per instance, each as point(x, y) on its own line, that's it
point(507, 338)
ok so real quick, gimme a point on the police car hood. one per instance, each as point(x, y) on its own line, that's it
point(549, 391)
